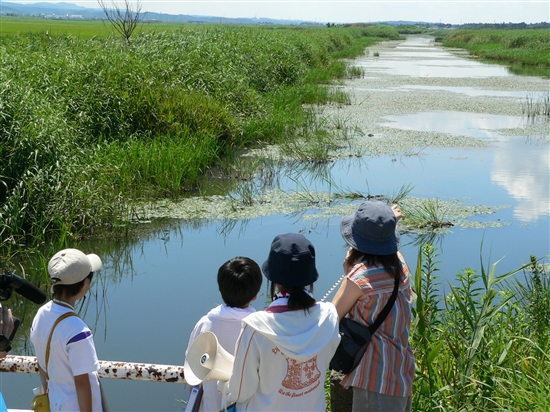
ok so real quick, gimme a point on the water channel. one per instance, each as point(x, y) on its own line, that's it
point(462, 138)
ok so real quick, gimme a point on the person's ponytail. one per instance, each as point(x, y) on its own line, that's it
point(299, 299)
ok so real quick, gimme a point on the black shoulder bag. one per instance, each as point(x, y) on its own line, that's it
point(356, 337)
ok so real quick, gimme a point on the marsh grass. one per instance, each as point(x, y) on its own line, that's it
point(355, 72)
point(532, 293)
point(527, 47)
point(474, 348)
point(315, 147)
point(315, 142)
point(427, 214)
point(89, 125)
point(534, 106)
point(398, 195)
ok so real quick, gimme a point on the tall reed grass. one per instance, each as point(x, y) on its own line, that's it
point(527, 47)
point(87, 126)
point(484, 346)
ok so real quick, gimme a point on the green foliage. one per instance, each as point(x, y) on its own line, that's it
point(427, 323)
point(487, 348)
point(89, 125)
point(410, 29)
point(529, 46)
point(383, 31)
point(532, 301)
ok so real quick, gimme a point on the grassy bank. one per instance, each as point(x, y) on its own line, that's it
point(90, 125)
point(527, 47)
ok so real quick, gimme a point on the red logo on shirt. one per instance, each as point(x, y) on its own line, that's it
point(300, 375)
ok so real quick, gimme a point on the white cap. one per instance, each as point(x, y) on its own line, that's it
point(70, 266)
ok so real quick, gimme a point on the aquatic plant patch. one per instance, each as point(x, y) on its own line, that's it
point(311, 205)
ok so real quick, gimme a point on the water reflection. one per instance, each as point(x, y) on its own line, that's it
point(439, 68)
point(479, 125)
point(523, 169)
point(529, 71)
point(469, 91)
point(417, 57)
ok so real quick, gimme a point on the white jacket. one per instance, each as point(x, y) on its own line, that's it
point(282, 357)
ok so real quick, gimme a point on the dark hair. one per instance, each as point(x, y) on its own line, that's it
point(70, 290)
point(392, 263)
point(298, 298)
point(239, 281)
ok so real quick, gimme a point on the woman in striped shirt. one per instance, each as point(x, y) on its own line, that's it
point(382, 382)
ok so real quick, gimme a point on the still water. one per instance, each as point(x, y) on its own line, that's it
point(152, 290)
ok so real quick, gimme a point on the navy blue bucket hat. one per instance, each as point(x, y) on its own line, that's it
point(371, 229)
point(291, 261)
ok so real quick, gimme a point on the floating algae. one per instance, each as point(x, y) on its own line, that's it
point(310, 205)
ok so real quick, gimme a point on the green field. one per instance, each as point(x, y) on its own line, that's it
point(20, 26)
point(85, 29)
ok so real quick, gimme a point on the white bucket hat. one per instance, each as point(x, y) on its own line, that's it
point(70, 266)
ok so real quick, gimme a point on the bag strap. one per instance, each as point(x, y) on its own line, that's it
point(59, 319)
point(385, 312)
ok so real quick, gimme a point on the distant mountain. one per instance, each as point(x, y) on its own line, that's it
point(66, 10)
point(50, 10)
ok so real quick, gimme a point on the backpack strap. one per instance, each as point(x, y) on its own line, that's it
point(386, 310)
point(59, 319)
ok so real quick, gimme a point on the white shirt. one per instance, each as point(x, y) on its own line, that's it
point(72, 353)
point(225, 323)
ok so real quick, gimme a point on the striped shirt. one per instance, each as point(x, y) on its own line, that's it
point(388, 364)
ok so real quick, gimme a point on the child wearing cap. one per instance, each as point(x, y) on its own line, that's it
point(239, 281)
point(383, 379)
point(283, 353)
point(70, 375)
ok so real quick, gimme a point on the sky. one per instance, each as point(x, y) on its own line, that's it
point(351, 11)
